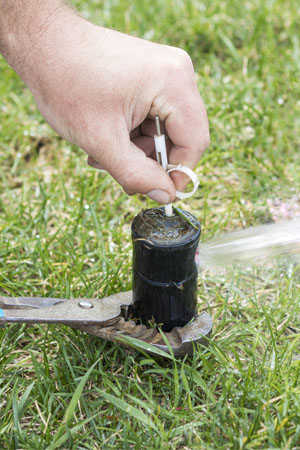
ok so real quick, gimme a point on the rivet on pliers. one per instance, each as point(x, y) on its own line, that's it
point(85, 304)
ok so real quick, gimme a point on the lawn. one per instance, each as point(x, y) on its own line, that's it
point(65, 232)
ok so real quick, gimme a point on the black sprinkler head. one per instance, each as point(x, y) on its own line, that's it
point(164, 269)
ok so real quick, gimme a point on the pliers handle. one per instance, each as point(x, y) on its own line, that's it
point(101, 312)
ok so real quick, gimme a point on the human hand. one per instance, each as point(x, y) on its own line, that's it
point(101, 89)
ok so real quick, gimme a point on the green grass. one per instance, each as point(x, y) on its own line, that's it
point(65, 232)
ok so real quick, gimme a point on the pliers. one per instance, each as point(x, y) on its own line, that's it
point(107, 318)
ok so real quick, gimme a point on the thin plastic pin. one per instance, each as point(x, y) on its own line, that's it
point(162, 158)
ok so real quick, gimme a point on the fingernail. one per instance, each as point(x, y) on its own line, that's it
point(159, 196)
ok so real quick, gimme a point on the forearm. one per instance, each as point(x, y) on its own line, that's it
point(28, 30)
point(49, 46)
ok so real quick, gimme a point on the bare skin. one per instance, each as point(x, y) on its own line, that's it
point(101, 89)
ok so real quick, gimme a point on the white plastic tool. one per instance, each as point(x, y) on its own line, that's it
point(162, 159)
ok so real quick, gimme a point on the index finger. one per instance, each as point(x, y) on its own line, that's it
point(187, 127)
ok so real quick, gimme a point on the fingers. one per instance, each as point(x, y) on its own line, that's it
point(187, 127)
point(175, 98)
point(136, 172)
point(182, 109)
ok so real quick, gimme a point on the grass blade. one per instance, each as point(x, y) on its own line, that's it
point(140, 345)
point(129, 409)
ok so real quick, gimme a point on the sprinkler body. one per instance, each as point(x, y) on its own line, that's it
point(164, 268)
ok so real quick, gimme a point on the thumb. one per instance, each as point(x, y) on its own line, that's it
point(137, 173)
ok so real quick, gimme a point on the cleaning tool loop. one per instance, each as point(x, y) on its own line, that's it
point(189, 173)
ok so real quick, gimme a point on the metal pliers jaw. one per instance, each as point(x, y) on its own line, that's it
point(106, 318)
